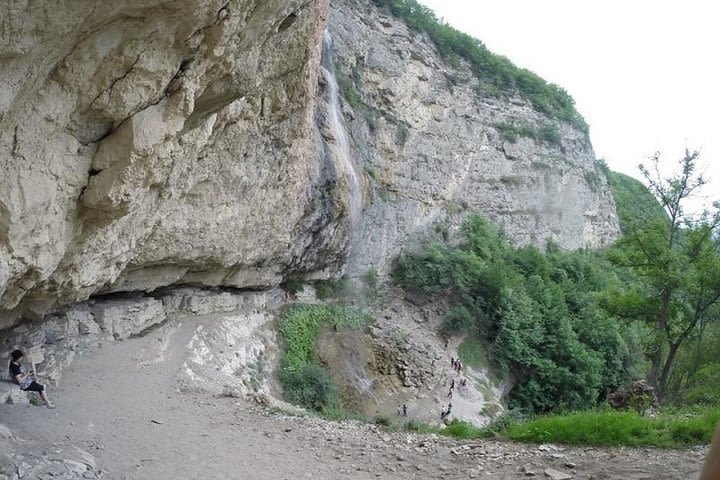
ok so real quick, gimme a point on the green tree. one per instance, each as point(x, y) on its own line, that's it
point(537, 312)
point(678, 256)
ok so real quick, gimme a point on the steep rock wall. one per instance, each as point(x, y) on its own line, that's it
point(200, 142)
point(430, 147)
point(146, 143)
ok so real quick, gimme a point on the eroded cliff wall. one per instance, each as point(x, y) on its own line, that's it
point(432, 147)
point(201, 142)
point(145, 143)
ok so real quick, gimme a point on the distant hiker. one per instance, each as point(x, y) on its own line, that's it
point(404, 409)
point(449, 409)
point(452, 361)
point(459, 366)
point(443, 412)
point(24, 379)
point(450, 393)
point(399, 410)
point(452, 384)
point(463, 383)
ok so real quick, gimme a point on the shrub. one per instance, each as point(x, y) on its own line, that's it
point(383, 420)
point(348, 92)
point(326, 289)
point(311, 387)
point(303, 380)
point(459, 429)
point(549, 133)
point(293, 285)
point(704, 385)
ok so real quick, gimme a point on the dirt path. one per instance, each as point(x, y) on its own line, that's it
point(121, 403)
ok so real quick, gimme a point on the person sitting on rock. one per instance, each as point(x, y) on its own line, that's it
point(24, 379)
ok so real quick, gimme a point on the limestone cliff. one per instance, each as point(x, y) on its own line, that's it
point(201, 142)
point(432, 147)
point(147, 143)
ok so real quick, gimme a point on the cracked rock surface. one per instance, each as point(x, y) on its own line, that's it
point(196, 142)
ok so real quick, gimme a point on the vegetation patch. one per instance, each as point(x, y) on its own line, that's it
point(600, 428)
point(672, 430)
point(293, 285)
point(634, 201)
point(547, 132)
point(541, 314)
point(329, 289)
point(305, 382)
point(349, 93)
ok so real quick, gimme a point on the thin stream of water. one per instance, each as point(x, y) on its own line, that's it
point(341, 148)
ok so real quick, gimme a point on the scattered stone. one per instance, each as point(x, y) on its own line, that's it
point(5, 431)
point(158, 422)
point(556, 475)
point(528, 471)
point(74, 466)
point(570, 465)
point(548, 448)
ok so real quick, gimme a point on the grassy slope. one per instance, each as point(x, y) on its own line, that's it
point(633, 200)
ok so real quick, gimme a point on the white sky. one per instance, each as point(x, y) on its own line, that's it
point(644, 74)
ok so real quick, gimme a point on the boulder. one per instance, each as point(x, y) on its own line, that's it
point(638, 395)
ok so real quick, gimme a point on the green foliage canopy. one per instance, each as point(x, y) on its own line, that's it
point(537, 311)
point(678, 257)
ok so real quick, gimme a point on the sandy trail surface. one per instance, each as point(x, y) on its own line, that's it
point(121, 402)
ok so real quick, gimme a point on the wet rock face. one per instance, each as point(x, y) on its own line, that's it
point(147, 143)
point(431, 149)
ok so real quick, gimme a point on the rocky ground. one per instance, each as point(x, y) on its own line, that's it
point(125, 412)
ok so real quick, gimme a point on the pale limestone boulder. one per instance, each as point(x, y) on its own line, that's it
point(10, 393)
point(209, 303)
point(126, 317)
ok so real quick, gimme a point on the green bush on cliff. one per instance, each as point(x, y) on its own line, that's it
point(547, 132)
point(303, 379)
point(495, 72)
point(539, 313)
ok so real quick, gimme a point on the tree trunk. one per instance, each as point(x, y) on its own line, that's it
point(656, 361)
point(667, 368)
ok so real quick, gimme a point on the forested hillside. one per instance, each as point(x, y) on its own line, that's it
point(573, 326)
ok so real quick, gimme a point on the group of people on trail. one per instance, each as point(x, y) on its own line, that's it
point(456, 365)
point(26, 381)
point(446, 411)
point(455, 362)
point(402, 410)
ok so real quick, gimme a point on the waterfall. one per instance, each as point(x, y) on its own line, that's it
point(340, 147)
